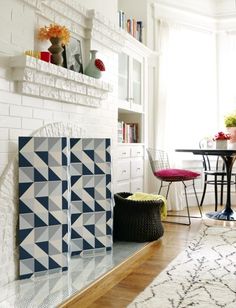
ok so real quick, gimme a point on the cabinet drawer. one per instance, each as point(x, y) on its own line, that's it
point(136, 168)
point(137, 151)
point(123, 152)
point(123, 186)
point(123, 172)
point(136, 185)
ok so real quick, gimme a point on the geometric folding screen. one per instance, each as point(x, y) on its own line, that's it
point(43, 204)
point(53, 171)
point(91, 218)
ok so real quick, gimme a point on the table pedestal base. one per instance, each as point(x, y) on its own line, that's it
point(222, 215)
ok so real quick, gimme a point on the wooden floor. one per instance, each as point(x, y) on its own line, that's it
point(175, 239)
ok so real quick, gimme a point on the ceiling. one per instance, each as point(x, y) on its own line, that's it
point(213, 8)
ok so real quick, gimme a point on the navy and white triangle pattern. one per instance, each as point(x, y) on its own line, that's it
point(91, 216)
point(43, 204)
point(47, 167)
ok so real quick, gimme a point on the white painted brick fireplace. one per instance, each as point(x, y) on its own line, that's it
point(22, 114)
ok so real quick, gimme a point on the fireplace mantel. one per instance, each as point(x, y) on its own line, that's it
point(45, 80)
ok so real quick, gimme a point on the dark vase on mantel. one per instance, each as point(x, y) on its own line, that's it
point(56, 50)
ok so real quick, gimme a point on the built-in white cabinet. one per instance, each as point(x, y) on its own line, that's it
point(130, 168)
point(130, 84)
point(132, 115)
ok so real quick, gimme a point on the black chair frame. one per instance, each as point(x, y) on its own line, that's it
point(218, 177)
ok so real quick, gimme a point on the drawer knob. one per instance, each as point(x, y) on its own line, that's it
point(123, 171)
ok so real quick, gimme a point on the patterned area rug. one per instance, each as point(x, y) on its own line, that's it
point(203, 275)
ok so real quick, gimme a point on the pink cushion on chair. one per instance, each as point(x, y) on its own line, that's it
point(175, 175)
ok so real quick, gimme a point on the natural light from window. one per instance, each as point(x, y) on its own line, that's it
point(190, 99)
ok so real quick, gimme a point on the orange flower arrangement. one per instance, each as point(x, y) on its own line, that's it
point(54, 30)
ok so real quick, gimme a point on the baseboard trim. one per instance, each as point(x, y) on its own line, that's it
point(99, 287)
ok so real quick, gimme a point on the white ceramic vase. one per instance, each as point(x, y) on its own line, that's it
point(92, 70)
point(221, 144)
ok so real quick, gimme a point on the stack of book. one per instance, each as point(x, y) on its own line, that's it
point(127, 132)
point(133, 27)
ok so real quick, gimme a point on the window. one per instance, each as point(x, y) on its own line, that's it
point(187, 86)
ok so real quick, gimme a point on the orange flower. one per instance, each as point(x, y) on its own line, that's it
point(54, 30)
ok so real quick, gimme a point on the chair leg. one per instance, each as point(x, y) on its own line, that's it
point(204, 191)
point(187, 206)
point(168, 189)
point(222, 190)
point(216, 194)
point(159, 191)
point(186, 198)
point(199, 207)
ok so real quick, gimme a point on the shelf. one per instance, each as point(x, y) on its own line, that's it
point(135, 110)
point(45, 80)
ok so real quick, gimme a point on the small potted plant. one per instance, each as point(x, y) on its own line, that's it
point(221, 140)
point(230, 124)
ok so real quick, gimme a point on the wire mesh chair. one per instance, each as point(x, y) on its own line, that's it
point(161, 169)
point(214, 174)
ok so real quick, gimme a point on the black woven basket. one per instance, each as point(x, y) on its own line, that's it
point(137, 221)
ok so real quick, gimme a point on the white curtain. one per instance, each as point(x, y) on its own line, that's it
point(227, 74)
point(186, 105)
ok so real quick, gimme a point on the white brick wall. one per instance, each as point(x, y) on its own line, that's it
point(10, 122)
point(20, 111)
point(21, 115)
point(4, 109)
point(8, 97)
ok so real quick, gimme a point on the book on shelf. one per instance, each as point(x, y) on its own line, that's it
point(127, 132)
point(139, 34)
point(133, 27)
point(120, 131)
point(121, 19)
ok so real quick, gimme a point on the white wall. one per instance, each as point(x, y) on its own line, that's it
point(225, 7)
point(205, 7)
point(107, 7)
